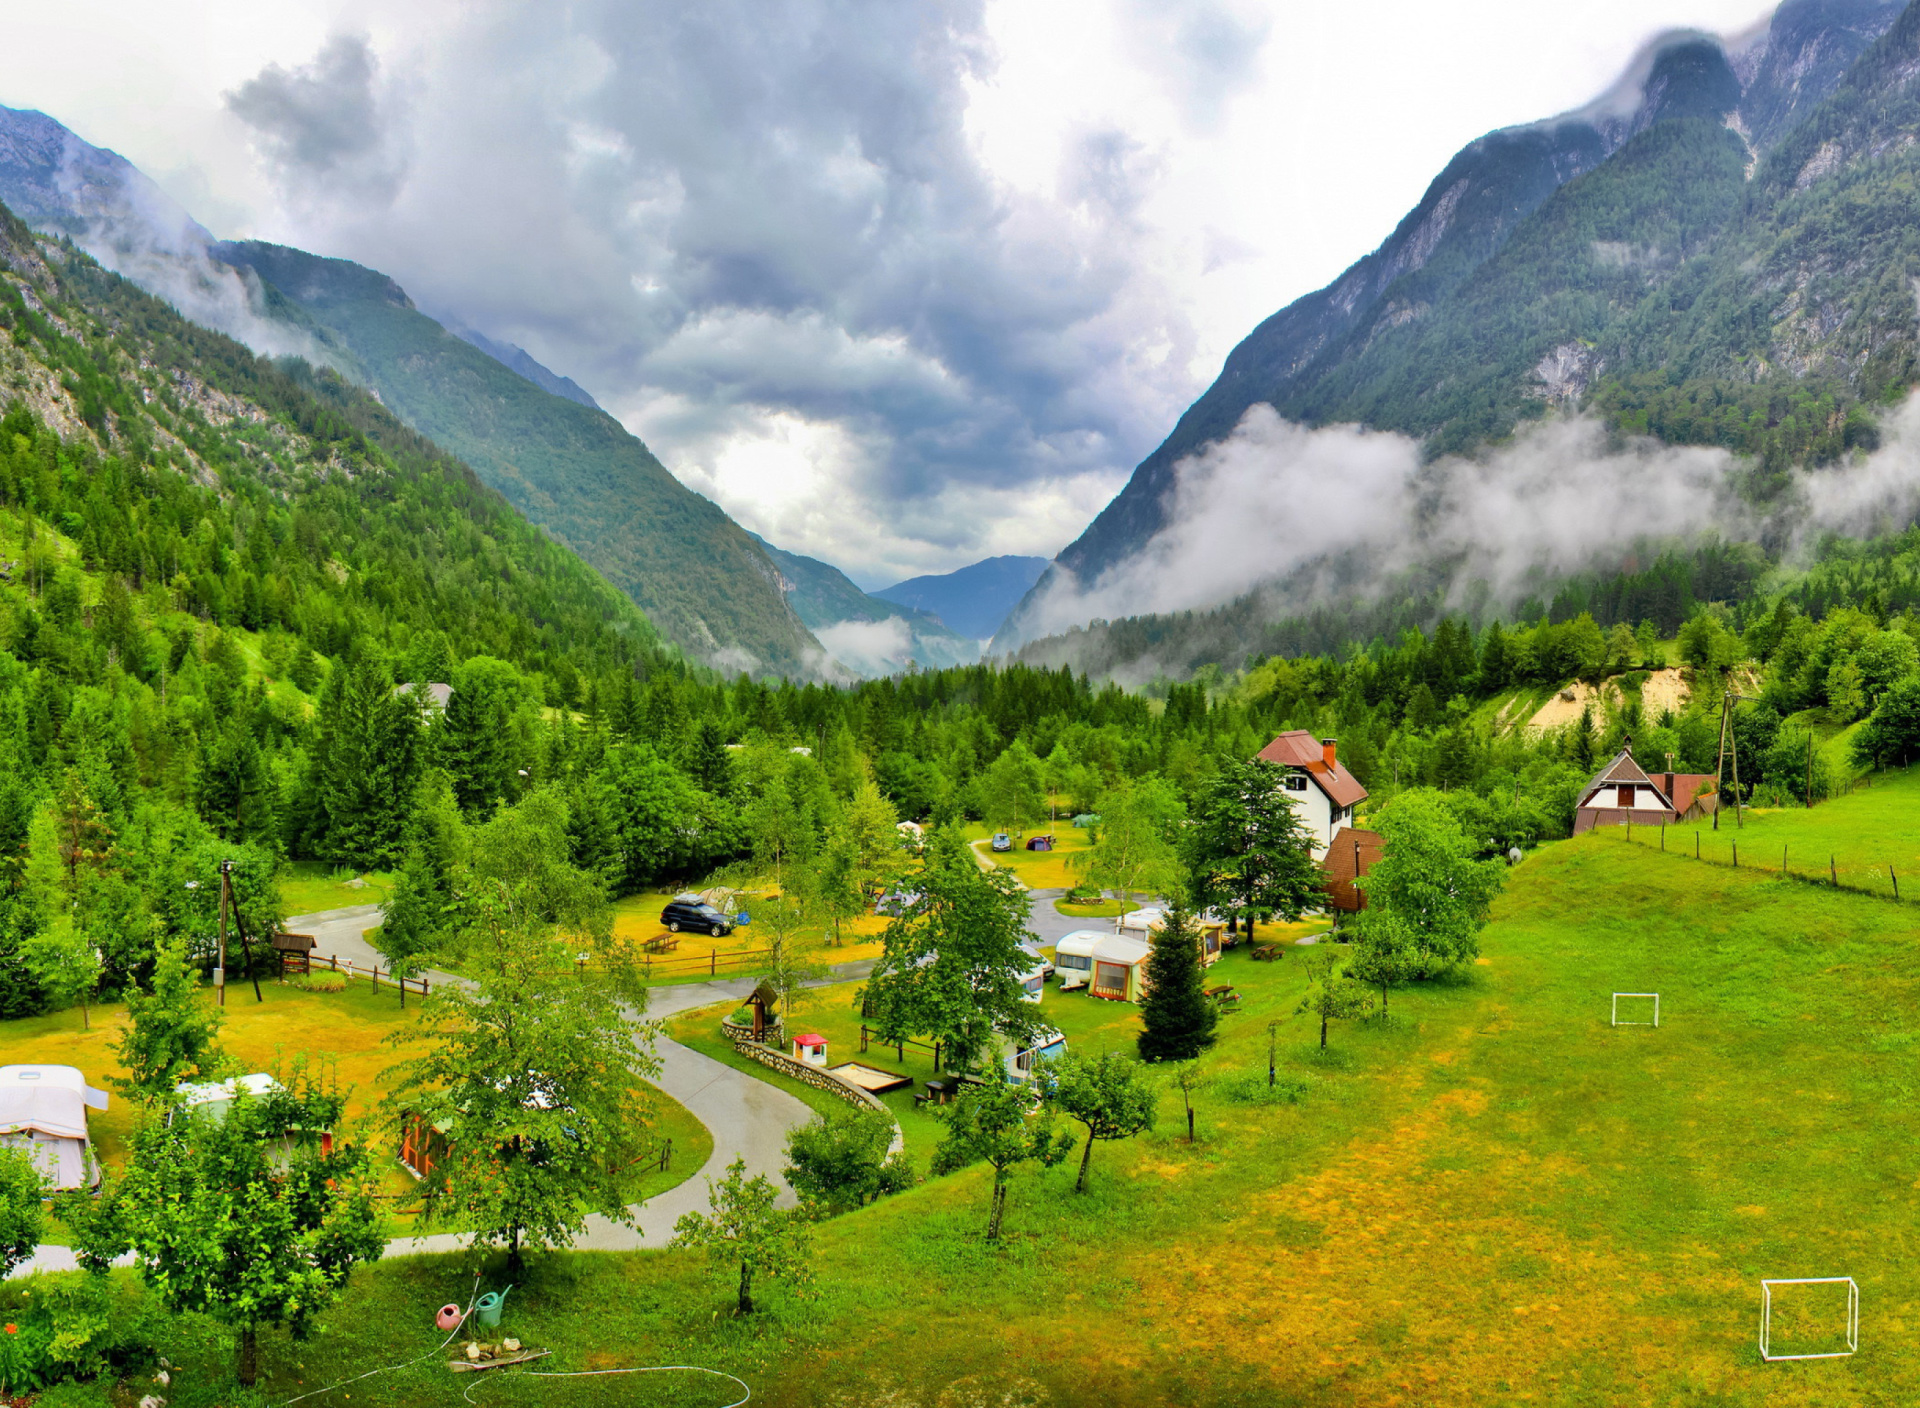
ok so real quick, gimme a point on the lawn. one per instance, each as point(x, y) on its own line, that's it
point(1874, 826)
point(311, 886)
point(348, 1029)
point(1494, 1197)
point(636, 919)
point(1037, 870)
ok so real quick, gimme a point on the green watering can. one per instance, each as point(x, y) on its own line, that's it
point(487, 1309)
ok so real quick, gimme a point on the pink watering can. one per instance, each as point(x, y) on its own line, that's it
point(449, 1318)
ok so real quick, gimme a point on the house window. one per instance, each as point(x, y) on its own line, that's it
point(1626, 796)
point(1296, 782)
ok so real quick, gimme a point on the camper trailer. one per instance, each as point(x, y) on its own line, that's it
point(1120, 968)
point(43, 1109)
point(1019, 1061)
point(1073, 957)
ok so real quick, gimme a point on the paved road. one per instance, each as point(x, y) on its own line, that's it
point(748, 1118)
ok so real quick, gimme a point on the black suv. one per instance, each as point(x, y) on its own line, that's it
point(692, 912)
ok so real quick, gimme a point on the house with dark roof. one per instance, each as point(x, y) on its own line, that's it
point(1623, 791)
point(1324, 790)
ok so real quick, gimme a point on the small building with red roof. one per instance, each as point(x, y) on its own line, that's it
point(1623, 791)
point(1318, 783)
point(1352, 854)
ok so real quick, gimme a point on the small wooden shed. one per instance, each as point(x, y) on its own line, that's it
point(295, 950)
point(765, 1003)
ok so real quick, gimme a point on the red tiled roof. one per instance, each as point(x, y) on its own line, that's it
point(1299, 749)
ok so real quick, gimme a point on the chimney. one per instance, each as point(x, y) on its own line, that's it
point(1327, 746)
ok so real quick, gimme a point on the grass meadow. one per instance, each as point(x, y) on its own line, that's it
point(1494, 1196)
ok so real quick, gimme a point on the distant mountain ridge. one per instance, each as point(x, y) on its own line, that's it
point(1441, 334)
point(973, 600)
point(518, 359)
point(868, 635)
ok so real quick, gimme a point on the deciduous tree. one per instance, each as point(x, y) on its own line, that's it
point(1248, 852)
point(842, 1160)
point(1333, 994)
point(746, 1231)
point(172, 1033)
point(22, 1218)
point(1109, 1095)
point(998, 1123)
point(1427, 890)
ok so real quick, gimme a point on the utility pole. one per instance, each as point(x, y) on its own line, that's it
point(220, 967)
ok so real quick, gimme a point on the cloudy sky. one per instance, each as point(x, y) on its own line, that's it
point(900, 283)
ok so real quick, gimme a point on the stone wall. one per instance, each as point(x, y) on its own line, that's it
point(814, 1076)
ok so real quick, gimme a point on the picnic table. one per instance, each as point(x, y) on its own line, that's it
point(1268, 953)
point(662, 943)
point(1224, 995)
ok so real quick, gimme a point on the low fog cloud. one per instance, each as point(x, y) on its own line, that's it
point(1310, 515)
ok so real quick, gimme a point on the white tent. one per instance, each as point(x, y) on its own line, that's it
point(43, 1109)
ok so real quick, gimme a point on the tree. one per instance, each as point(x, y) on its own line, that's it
point(1248, 853)
point(241, 1217)
point(424, 908)
point(365, 764)
point(1133, 850)
point(953, 961)
point(1383, 954)
point(171, 1035)
point(1427, 887)
point(709, 765)
point(1110, 1096)
point(1186, 1079)
point(1893, 733)
point(745, 1230)
point(1176, 1018)
point(1333, 994)
point(85, 839)
point(22, 1218)
point(872, 828)
point(997, 1123)
point(65, 960)
point(1013, 792)
point(476, 734)
point(786, 972)
point(535, 1074)
point(842, 1160)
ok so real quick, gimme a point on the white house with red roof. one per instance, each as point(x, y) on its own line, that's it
point(1325, 791)
point(1623, 791)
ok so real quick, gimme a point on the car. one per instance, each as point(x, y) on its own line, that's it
point(692, 912)
point(1002, 841)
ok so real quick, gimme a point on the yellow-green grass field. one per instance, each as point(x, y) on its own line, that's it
point(1871, 834)
point(636, 919)
point(310, 886)
point(1037, 870)
point(348, 1030)
point(1494, 1197)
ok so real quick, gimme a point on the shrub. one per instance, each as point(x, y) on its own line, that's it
point(319, 982)
point(1251, 1088)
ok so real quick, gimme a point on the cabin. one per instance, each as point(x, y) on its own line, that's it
point(1623, 793)
point(43, 1110)
point(1316, 781)
point(1353, 853)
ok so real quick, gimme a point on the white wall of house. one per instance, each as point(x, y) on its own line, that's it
point(1609, 797)
point(1317, 811)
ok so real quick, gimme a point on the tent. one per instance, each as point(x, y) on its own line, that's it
point(43, 1109)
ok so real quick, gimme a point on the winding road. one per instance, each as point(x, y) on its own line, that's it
point(748, 1118)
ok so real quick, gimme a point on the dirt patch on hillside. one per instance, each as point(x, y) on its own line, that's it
point(1663, 690)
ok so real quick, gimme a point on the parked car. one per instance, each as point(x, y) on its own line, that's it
point(692, 912)
point(1002, 841)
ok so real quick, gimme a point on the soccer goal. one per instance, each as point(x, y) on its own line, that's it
point(1766, 1317)
point(1654, 997)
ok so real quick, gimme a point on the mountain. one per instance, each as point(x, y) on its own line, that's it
point(867, 635)
point(202, 490)
point(1489, 303)
point(564, 463)
point(517, 359)
point(972, 600)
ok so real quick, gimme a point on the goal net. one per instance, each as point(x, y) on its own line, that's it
point(1642, 1009)
point(1807, 1319)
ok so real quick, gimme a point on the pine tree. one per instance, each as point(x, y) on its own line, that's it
point(712, 769)
point(1177, 1018)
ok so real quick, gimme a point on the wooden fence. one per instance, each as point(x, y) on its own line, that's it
point(1879, 879)
point(333, 963)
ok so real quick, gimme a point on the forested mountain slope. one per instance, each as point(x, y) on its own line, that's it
point(535, 436)
point(571, 468)
point(1544, 265)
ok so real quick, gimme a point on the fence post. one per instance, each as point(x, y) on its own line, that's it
point(713, 964)
point(1696, 845)
point(1783, 862)
point(1663, 838)
point(1736, 855)
point(376, 977)
point(1896, 879)
point(1832, 873)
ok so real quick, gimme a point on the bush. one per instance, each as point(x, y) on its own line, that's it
point(1251, 1088)
point(319, 982)
point(70, 1325)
